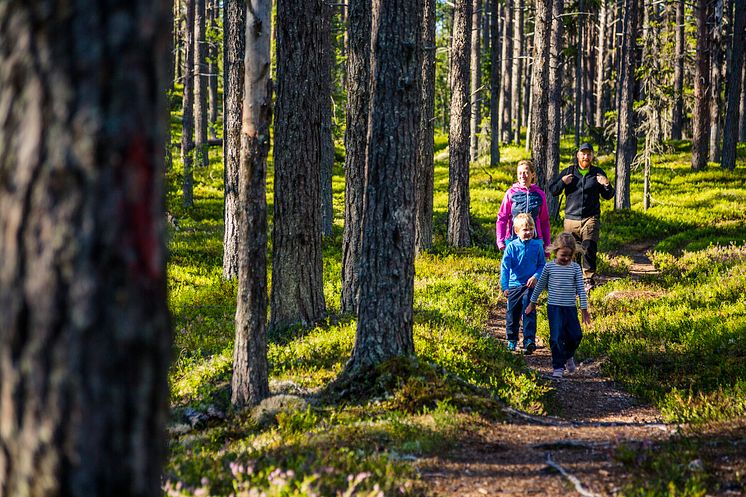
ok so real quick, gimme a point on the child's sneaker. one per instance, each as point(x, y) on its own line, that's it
point(511, 345)
point(558, 373)
point(570, 365)
point(529, 347)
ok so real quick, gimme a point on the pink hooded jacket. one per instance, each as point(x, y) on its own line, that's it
point(519, 199)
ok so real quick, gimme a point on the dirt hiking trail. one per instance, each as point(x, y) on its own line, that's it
point(571, 454)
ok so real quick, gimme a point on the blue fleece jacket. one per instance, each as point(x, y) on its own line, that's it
point(521, 260)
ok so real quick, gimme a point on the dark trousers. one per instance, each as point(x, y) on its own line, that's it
point(564, 333)
point(518, 299)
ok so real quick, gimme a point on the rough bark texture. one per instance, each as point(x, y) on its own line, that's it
point(626, 137)
point(384, 327)
point(476, 79)
point(516, 67)
point(200, 85)
point(178, 40)
point(541, 90)
point(234, 41)
point(250, 383)
point(212, 68)
point(701, 111)
point(742, 113)
point(187, 108)
point(677, 116)
point(506, 131)
point(578, 79)
point(327, 137)
point(297, 287)
point(734, 88)
point(85, 334)
point(589, 63)
point(601, 65)
point(716, 81)
point(425, 153)
point(459, 231)
point(554, 113)
point(356, 146)
point(495, 83)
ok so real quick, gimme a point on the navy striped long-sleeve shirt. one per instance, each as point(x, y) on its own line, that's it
point(563, 283)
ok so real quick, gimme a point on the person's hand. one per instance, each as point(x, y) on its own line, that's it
point(567, 179)
point(531, 282)
point(586, 316)
point(505, 292)
point(530, 308)
point(603, 180)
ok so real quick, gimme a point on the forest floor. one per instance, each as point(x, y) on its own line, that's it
point(568, 454)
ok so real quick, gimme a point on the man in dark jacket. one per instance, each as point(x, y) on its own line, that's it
point(584, 185)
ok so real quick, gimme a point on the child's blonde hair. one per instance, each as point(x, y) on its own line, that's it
point(523, 219)
point(565, 240)
point(530, 165)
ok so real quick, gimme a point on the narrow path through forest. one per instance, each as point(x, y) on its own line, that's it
point(571, 454)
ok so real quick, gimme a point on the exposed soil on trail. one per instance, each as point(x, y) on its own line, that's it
point(567, 454)
point(511, 458)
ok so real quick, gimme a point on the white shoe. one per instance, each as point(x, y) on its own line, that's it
point(570, 365)
point(558, 373)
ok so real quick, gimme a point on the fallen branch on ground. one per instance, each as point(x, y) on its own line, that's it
point(572, 478)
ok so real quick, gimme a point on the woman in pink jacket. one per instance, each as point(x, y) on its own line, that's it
point(523, 196)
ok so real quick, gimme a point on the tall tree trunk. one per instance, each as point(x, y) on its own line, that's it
point(234, 26)
point(734, 90)
point(554, 113)
point(716, 82)
point(178, 40)
point(356, 145)
point(384, 327)
point(578, 81)
point(506, 131)
point(701, 111)
point(85, 338)
point(476, 80)
point(200, 85)
point(517, 65)
point(187, 108)
point(589, 63)
point(601, 75)
point(495, 83)
point(212, 68)
point(742, 107)
point(459, 230)
point(297, 295)
point(627, 140)
point(250, 382)
point(327, 131)
point(677, 116)
point(424, 186)
point(541, 90)
point(526, 77)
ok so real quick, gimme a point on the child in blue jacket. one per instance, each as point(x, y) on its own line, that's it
point(522, 264)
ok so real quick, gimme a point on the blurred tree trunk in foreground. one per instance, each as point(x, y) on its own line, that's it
point(85, 336)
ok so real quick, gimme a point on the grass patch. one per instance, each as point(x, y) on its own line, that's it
point(682, 346)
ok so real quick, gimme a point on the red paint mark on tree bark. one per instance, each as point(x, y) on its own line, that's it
point(139, 211)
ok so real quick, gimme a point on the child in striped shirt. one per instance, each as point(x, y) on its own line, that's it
point(563, 280)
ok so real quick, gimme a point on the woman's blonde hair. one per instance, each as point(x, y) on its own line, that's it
point(565, 240)
point(530, 165)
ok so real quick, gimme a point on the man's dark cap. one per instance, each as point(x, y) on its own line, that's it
point(585, 146)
